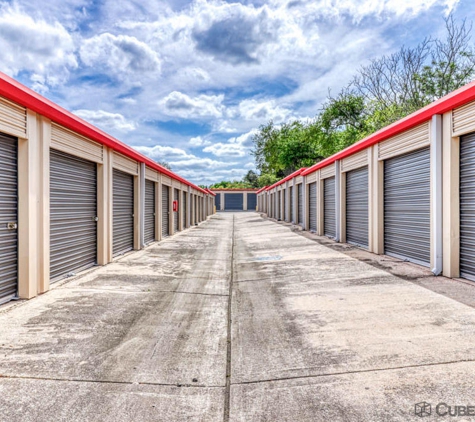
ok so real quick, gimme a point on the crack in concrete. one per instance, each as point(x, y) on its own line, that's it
point(227, 394)
point(78, 380)
point(362, 371)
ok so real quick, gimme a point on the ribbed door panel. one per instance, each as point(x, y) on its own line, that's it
point(149, 224)
point(251, 201)
point(165, 210)
point(357, 207)
point(73, 209)
point(184, 209)
point(176, 214)
point(123, 212)
point(279, 205)
point(8, 214)
point(407, 206)
point(329, 217)
point(312, 202)
point(291, 204)
point(284, 199)
point(217, 201)
point(467, 206)
point(233, 201)
point(300, 203)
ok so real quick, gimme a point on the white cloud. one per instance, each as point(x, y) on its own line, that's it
point(106, 120)
point(34, 45)
point(198, 141)
point(250, 165)
point(121, 53)
point(263, 111)
point(235, 147)
point(178, 104)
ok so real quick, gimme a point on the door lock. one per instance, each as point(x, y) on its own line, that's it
point(12, 226)
point(95, 219)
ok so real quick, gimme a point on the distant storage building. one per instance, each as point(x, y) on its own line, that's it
point(235, 199)
point(72, 197)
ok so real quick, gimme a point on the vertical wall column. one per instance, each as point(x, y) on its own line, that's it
point(138, 210)
point(304, 203)
point(376, 198)
point(159, 207)
point(451, 206)
point(244, 205)
point(33, 207)
point(171, 198)
point(221, 202)
point(104, 208)
point(295, 209)
point(142, 204)
point(341, 199)
point(180, 210)
point(188, 207)
point(436, 231)
point(337, 201)
point(320, 205)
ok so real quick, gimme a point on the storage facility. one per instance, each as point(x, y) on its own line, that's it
point(235, 199)
point(72, 196)
point(407, 191)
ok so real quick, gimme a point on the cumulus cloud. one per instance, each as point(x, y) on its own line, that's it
point(198, 141)
point(235, 147)
point(178, 104)
point(105, 120)
point(263, 111)
point(26, 44)
point(119, 54)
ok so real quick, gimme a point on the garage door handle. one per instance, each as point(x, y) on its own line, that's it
point(12, 226)
point(95, 219)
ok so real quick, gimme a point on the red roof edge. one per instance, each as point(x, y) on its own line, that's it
point(453, 100)
point(212, 193)
point(290, 176)
point(24, 96)
point(261, 189)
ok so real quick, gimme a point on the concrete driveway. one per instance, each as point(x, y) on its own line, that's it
point(316, 331)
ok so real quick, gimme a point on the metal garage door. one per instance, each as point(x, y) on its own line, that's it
point(300, 203)
point(8, 214)
point(284, 199)
point(407, 206)
point(467, 206)
point(165, 210)
point(233, 201)
point(176, 214)
point(312, 210)
point(251, 201)
point(123, 212)
point(329, 217)
point(279, 205)
point(184, 210)
point(149, 220)
point(291, 204)
point(73, 212)
point(217, 201)
point(357, 207)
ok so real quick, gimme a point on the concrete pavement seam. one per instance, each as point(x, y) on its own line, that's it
point(363, 371)
point(227, 392)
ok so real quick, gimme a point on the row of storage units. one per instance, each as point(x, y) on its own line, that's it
point(72, 197)
point(407, 191)
point(235, 199)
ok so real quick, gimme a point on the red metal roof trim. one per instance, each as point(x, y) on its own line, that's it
point(453, 100)
point(261, 189)
point(290, 176)
point(211, 193)
point(20, 94)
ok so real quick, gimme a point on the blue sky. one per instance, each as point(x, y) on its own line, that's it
point(189, 82)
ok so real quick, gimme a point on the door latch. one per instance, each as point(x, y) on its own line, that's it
point(95, 219)
point(12, 226)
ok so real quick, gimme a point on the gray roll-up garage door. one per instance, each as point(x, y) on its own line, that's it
point(184, 210)
point(176, 214)
point(279, 205)
point(467, 206)
point(300, 203)
point(357, 207)
point(123, 212)
point(251, 201)
point(291, 205)
point(312, 203)
point(217, 201)
point(8, 214)
point(73, 212)
point(407, 206)
point(165, 210)
point(284, 199)
point(329, 217)
point(149, 220)
point(233, 201)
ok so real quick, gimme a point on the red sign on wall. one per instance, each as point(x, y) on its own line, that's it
point(175, 205)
